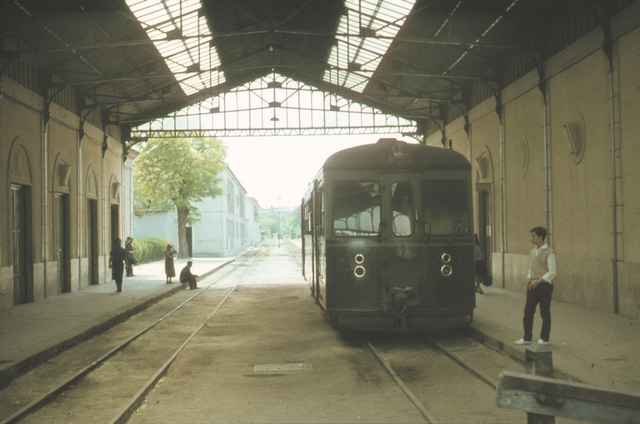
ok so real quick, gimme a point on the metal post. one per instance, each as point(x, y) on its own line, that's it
point(541, 360)
point(44, 136)
point(543, 86)
point(503, 191)
point(615, 159)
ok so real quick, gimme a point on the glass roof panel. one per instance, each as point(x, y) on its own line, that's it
point(160, 19)
point(381, 18)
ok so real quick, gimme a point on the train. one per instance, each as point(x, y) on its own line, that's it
point(387, 238)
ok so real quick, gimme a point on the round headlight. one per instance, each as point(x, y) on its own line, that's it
point(358, 258)
point(446, 258)
point(359, 271)
point(446, 270)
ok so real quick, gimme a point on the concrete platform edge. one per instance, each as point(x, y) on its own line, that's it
point(513, 352)
point(10, 373)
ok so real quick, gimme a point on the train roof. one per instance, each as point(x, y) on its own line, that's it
point(389, 153)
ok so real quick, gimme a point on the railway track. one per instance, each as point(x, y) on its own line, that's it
point(450, 380)
point(110, 388)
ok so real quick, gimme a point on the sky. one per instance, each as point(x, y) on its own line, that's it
point(276, 171)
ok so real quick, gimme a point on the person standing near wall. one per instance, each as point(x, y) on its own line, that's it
point(129, 258)
point(169, 267)
point(116, 263)
point(542, 271)
point(480, 268)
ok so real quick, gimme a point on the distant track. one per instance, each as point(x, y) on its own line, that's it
point(132, 404)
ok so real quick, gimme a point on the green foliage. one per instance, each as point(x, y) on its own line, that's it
point(178, 172)
point(148, 250)
point(282, 221)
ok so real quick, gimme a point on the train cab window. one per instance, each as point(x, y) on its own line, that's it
point(356, 208)
point(402, 209)
point(446, 207)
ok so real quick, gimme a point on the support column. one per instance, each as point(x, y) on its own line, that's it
point(615, 157)
point(503, 189)
point(543, 86)
point(81, 218)
point(44, 153)
point(103, 202)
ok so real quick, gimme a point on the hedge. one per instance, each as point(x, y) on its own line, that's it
point(149, 250)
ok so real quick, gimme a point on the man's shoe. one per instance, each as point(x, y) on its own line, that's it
point(543, 342)
point(522, 342)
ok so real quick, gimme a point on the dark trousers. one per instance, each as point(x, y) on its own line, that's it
point(539, 295)
point(191, 281)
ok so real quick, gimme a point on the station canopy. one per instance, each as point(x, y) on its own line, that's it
point(285, 67)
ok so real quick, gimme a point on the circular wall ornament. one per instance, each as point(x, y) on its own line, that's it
point(575, 134)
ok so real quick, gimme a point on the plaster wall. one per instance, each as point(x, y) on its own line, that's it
point(21, 130)
point(581, 178)
point(628, 51)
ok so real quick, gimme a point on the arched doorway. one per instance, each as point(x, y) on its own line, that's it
point(485, 196)
point(62, 230)
point(114, 201)
point(92, 227)
point(20, 221)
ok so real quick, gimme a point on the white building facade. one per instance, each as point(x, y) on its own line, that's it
point(227, 224)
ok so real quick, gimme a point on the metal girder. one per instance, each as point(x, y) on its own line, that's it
point(146, 42)
point(198, 95)
point(385, 107)
point(448, 18)
point(243, 132)
point(401, 40)
point(190, 100)
point(67, 46)
point(278, 66)
point(484, 33)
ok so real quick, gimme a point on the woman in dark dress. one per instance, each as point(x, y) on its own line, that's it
point(169, 268)
point(116, 263)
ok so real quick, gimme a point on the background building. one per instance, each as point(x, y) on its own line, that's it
point(227, 225)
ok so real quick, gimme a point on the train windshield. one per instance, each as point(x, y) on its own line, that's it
point(446, 207)
point(402, 209)
point(356, 208)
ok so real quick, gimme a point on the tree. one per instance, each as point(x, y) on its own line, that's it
point(176, 172)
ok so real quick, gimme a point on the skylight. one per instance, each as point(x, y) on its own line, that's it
point(365, 32)
point(179, 31)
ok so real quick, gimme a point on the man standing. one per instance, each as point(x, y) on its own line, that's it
point(116, 263)
point(187, 277)
point(542, 271)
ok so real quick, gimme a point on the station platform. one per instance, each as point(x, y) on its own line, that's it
point(35, 332)
point(590, 346)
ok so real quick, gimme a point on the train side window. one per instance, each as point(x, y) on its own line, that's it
point(402, 209)
point(356, 208)
point(446, 207)
point(307, 218)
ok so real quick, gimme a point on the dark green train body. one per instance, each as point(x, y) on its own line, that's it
point(387, 237)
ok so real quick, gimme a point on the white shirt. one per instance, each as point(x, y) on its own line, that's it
point(551, 265)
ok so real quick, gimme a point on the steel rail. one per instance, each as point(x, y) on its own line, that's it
point(51, 394)
point(139, 397)
point(464, 364)
point(416, 402)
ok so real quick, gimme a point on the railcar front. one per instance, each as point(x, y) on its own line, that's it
point(394, 224)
